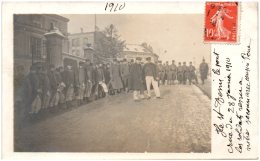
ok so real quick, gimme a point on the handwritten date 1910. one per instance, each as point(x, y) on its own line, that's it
point(113, 7)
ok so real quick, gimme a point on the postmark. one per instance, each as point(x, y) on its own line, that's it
point(221, 22)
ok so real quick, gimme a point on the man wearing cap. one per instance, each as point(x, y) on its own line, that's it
point(192, 74)
point(69, 82)
point(185, 73)
point(136, 79)
point(116, 82)
point(168, 73)
point(179, 73)
point(81, 81)
point(88, 80)
point(151, 78)
point(174, 71)
point(124, 71)
point(204, 69)
point(53, 84)
point(160, 67)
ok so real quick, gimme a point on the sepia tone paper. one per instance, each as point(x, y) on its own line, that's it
point(175, 30)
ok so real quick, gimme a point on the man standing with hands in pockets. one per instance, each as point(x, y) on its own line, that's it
point(151, 74)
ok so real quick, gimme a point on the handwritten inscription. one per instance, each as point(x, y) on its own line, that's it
point(114, 7)
point(232, 101)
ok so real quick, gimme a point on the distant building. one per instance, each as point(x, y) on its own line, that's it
point(39, 38)
point(78, 42)
point(131, 51)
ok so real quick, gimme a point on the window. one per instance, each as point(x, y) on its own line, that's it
point(75, 42)
point(36, 48)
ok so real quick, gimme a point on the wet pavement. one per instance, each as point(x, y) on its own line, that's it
point(180, 122)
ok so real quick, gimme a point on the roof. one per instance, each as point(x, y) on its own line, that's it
point(58, 17)
point(55, 31)
point(81, 33)
point(137, 49)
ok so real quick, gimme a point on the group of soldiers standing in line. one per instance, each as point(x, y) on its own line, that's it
point(168, 73)
point(47, 87)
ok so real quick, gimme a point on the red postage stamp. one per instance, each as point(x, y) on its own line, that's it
point(221, 22)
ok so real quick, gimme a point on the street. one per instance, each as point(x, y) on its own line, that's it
point(180, 122)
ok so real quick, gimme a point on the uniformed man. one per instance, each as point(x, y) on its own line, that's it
point(69, 82)
point(136, 79)
point(174, 71)
point(124, 71)
point(46, 90)
point(81, 81)
point(116, 81)
point(168, 73)
point(161, 74)
point(53, 85)
point(151, 77)
point(185, 70)
point(192, 74)
point(88, 80)
point(179, 73)
point(204, 69)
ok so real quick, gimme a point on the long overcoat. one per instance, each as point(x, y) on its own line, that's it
point(204, 70)
point(136, 77)
point(116, 81)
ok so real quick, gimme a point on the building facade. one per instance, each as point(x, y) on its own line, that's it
point(131, 51)
point(35, 35)
point(81, 46)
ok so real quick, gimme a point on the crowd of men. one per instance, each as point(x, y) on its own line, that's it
point(47, 87)
point(170, 73)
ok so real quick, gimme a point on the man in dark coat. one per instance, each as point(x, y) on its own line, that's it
point(179, 73)
point(116, 81)
point(185, 70)
point(61, 89)
point(204, 69)
point(168, 73)
point(54, 82)
point(124, 72)
point(174, 71)
point(24, 97)
point(192, 74)
point(81, 81)
point(136, 76)
point(70, 83)
point(46, 89)
point(89, 80)
point(107, 73)
point(161, 73)
point(151, 77)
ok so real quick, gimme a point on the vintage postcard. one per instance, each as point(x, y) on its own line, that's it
point(130, 80)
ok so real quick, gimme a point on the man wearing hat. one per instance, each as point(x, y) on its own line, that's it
point(192, 74)
point(168, 73)
point(53, 84)
point(174, 72)
point(179, 73)
point(81, 83)
point(88, 80)
point(116, 82)
point(124, 72)
point(204, 69)
point(136, 79)
point(185, 72)
point(151, 74)
point(160, 68)
point(69, 82)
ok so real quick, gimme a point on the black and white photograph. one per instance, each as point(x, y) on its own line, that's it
point(111, 83)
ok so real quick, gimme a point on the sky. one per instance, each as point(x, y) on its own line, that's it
point(181, 35)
